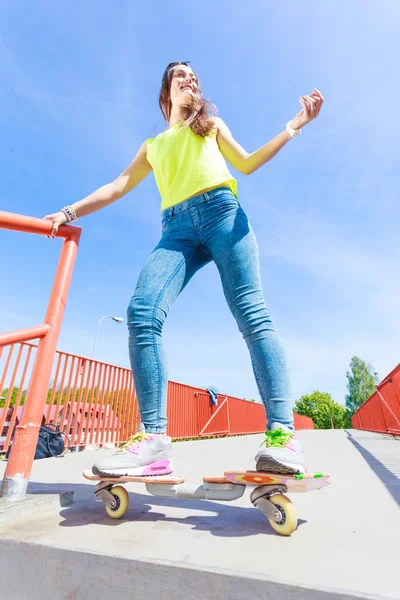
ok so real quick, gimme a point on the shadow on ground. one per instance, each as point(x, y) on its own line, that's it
point(388, 478)
point(223, 520)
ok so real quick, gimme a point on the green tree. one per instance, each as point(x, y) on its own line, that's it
point(360, 383)
point(323, 410)
point(13, 398)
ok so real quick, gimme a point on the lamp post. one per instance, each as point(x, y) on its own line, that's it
point(116, 319)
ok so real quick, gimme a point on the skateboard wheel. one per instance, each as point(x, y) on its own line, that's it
point(288, 522)
point(121, 498)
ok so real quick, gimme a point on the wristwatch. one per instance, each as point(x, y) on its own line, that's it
point(292, 132)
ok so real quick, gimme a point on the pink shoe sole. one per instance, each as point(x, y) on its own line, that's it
point(161, 467)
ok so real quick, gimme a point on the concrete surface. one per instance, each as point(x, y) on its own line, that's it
point(33, 504)
point(345, 546)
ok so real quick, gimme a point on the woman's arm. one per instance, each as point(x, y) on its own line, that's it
point(109, 193)
point(248, 163)
point(124, 183)
point(238, 157)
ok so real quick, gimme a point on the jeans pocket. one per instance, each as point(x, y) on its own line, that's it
point(223, 196)
point(228, 203)
point(225, 200)
point(165, 220)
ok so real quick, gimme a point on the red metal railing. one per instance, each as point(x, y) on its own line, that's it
point(23, 449)
point(381, 412)
point(191, 414)
point(94, 403)
point(302, 422)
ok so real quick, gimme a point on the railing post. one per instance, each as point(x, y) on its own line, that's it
point(23, 449)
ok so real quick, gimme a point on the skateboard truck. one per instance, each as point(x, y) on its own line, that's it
point(103, 491)
point(260, 499)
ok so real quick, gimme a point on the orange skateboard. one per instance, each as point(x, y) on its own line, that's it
point(268, 495)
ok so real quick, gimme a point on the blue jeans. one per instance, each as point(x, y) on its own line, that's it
point(210, 226)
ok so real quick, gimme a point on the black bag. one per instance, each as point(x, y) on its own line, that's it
point(50, 442)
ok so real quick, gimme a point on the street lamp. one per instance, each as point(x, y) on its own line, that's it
point(116, 319)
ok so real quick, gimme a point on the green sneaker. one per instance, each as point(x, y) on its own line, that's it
point(282, 453)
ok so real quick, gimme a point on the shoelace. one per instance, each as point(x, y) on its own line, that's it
point(277, 438)
point(138, 438)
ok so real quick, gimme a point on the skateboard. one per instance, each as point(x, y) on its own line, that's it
point(268, 494)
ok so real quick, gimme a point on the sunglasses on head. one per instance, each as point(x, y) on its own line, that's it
point(175, 64)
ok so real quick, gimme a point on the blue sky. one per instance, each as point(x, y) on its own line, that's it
point(79, 93)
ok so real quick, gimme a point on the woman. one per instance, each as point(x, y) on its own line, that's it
point(202, 220)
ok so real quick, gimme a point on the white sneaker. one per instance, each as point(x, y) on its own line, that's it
point(145, 454)
point(282, 453)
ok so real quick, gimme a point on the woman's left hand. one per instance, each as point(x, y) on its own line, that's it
point(311, 107)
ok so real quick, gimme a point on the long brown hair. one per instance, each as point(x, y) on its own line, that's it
point(198, 114)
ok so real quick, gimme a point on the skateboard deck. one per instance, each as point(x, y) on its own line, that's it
point(165, 479)
point(293, 483)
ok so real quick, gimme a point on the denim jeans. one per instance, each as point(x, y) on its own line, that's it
point(210, 226)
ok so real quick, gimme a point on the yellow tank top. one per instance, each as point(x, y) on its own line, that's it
point(185, 163)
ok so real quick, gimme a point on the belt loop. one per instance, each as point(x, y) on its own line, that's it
point(207, 197)
point(172, 212)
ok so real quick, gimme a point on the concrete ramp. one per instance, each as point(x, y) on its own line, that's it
point(345, 545)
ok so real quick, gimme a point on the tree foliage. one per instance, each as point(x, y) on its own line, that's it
point(361, 381)
point(323, 410)
point(93, 396)
point(13, 398)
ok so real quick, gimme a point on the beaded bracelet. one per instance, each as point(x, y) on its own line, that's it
point(69, 213)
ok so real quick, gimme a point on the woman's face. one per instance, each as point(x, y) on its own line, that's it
point(183, 82)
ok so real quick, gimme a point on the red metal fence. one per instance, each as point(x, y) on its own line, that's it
point(91, 401)
point(191, 414)
point(381, 412)
point(302, 422)
point(94, 403)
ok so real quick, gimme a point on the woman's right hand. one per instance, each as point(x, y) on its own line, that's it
point(58, 219)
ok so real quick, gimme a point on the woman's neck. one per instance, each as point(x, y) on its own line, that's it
point(176, 116)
